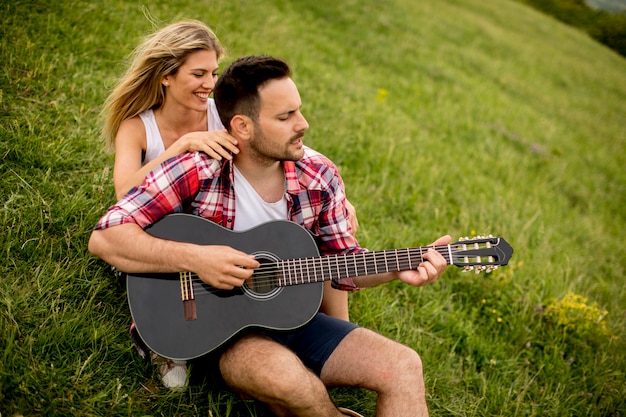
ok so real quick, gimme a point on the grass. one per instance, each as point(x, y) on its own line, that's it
point(461, 117)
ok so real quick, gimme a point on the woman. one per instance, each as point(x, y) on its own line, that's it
point(161, 108)
point(167, 88)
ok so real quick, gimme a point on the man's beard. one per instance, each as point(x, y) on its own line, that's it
point(268, 152)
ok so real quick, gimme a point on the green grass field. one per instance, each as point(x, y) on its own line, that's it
point(445, 116)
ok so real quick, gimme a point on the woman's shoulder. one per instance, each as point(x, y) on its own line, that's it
point(132, 132)
point(213, 117)
point(146, 115)
point(133, 125)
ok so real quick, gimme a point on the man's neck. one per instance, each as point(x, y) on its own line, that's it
point(267, 180)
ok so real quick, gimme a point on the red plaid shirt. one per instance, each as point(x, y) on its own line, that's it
point(197, 184)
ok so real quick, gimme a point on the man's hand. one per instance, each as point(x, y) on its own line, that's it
point(431, 269)
point(225, 268)
point(131, 249)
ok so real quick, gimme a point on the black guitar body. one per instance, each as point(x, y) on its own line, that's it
point(157, 308)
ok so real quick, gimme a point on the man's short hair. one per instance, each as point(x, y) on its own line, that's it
point(237, 89)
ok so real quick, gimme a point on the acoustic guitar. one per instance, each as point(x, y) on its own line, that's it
point(180, 317)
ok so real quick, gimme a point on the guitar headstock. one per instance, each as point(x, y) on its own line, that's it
point(482, 253)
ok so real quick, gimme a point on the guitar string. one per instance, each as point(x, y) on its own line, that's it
point(267, 274)
point(323, 265)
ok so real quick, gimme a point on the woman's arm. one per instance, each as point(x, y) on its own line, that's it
point(130, 142)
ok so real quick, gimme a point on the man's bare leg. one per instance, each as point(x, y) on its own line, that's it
point(394, 371)
point(258, 367)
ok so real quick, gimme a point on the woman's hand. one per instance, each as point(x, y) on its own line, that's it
point(217, 144)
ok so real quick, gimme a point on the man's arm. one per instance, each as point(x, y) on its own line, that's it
point(426, 273)
point(131, 249)
point(335, 302)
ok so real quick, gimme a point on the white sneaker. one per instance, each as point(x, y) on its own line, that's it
point(174, 374)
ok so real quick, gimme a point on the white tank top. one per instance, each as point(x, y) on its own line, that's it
point(154, 141)
point(251, 209)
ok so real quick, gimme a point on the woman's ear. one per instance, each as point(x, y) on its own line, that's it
point(241, 127)
point(165, 81)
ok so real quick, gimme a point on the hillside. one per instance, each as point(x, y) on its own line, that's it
point(609, 5)
point(444, 116)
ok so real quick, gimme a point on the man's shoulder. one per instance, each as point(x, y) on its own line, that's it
point(195, 161)
point(313, 158)
point(317, 170)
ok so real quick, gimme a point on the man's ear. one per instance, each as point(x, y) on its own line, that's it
point(241, 127)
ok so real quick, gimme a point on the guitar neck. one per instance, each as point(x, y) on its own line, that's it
point(310, 270)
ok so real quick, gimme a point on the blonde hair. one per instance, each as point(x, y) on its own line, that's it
point(160, 54)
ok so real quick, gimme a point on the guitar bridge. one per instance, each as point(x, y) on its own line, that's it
point(189, 306)
point(186, 290)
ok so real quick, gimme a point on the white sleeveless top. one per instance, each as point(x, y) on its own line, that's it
point(251, 209)
point(154, 141)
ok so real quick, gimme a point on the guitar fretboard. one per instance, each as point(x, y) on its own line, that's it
point(310, 270)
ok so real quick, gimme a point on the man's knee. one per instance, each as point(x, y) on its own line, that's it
point(406, 366)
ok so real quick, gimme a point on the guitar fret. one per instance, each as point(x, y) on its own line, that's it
point(295, 272)
point(297, 267)
point(420, 257)
point(308, 271)
point(365, 262)
point(285, 267)
point(281, 276)
point(317, 266)
point(354, 264)
point(375, 264)
point(329, 272)
point(386, 266)
point(298, 271)
point(303, 270)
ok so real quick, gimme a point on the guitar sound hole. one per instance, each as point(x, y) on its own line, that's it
point(264, 281)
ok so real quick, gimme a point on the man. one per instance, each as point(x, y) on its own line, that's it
point(274, 176)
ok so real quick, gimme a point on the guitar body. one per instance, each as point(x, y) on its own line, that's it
point(157, 308)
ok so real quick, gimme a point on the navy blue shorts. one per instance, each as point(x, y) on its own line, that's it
point(314, 342)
